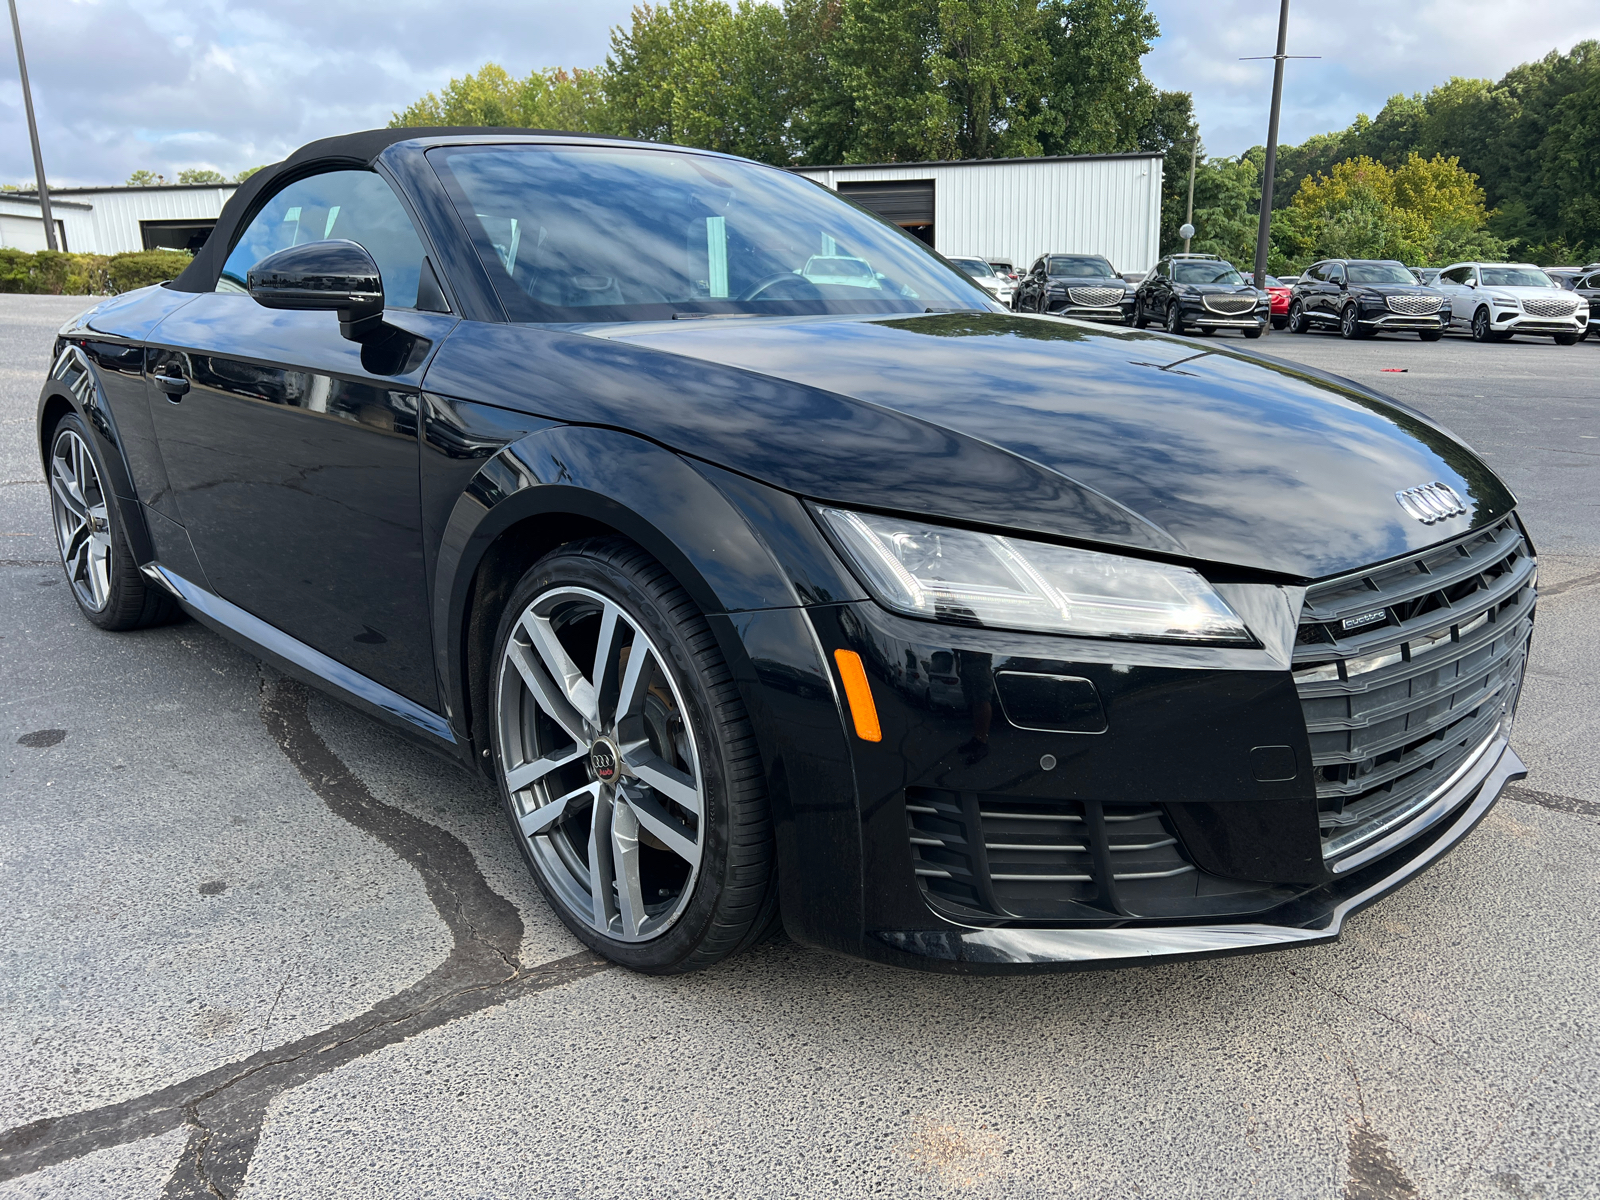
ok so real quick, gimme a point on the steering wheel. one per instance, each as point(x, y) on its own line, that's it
point(810, 289)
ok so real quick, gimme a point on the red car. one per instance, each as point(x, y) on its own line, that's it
point(1280, 301)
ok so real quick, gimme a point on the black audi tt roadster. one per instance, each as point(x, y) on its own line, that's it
point(779, 577)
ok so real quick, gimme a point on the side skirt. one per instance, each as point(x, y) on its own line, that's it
point(311, 666)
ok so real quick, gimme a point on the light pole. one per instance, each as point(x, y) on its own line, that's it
point(1265, 227)
point(33, 135)
point(1188, 215)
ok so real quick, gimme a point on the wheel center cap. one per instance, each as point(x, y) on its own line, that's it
point(604, 760)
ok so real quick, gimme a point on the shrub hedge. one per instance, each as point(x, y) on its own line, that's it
point(56, 273)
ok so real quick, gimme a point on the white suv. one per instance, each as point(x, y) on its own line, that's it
point(1497, 300)
point(985, 276)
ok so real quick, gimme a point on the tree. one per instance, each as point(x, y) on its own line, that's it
point(246, 173)
point(143, 178)
point(1096, 84)
point(1171, 129)
point(201, 175)
point(991, 65)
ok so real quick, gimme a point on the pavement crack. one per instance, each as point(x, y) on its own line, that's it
point(1571, 585)
point(1555, 803)
point(225, 1107)
point(1377, 1012)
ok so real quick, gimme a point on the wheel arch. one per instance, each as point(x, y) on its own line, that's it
point(59, 398)
point(565, 483)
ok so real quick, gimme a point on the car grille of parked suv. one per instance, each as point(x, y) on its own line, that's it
point(1414, 306)
point(1043, 859)
point(1095, 297)
point(1549, 308)
point(1406, 674)
point(1230, 306)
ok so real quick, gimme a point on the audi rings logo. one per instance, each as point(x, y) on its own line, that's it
point(603, 761)
point(1431, 502)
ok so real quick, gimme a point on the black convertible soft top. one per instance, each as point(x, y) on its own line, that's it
point(348, 150)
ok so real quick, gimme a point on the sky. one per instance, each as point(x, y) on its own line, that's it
point(227, 84)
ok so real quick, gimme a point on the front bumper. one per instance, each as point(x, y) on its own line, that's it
point(1383, 319)
point(1503, 321)
point(1120, 313)
point(1317, 916)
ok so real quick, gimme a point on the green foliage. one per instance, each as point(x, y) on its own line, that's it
point(1171, 130)
point(550, 99)
point(1225, 192)
point(1096, 85)
point(1532, 139)
point(201, 175)
point(55, 273)
point(246, 173)
point(832, 81)
point(145, 179)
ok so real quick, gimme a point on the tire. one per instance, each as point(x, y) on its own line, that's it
point(1297, 318)
point(1481, 331)
point(1252, 334)
point(1280, 322)
point(1584, 336)
point(110, 590)
point(1430, 335)
point(1349, 327)
point(1140, 321)
point(686, 838)
point(1565, 339)
point(1174, 318)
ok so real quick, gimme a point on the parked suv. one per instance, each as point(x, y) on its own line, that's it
point(1585, 281)
point(1496, 301)
point(1360, 297)
point(1076, 285)
point(1201, 292)
point(986, 276)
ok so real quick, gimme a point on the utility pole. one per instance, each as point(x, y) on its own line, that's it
point(1265, 227)
point(1188, 216)
point(33, 135)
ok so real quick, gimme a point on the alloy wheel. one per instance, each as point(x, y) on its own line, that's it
point(1174, 318)
point(601, 765)
point(1480, 326)
point(1347, 322)
point(1297, 318)
point(78, 503)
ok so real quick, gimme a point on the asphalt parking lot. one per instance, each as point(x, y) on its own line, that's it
point(256, 945)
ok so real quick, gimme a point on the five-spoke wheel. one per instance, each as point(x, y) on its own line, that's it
point(83, 524)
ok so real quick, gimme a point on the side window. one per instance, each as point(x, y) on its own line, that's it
point(357, 205)
point(1457, 275)
point(1164, 269)
point(1334, 273)
point(1038, 268)
point(1318, 273)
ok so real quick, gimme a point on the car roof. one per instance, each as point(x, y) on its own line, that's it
point(352, 151)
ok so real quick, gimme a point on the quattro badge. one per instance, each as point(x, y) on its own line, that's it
point(1431, 502)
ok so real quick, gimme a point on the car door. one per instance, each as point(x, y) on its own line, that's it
point(1588, 287)
point(1332, 292)
point(1035, 285)
point(1453, 284)
point(292, 452)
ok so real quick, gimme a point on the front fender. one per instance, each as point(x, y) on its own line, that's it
point(754, 605)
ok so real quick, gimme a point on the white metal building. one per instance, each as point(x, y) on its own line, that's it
point(1016, 209)
point(114, 220)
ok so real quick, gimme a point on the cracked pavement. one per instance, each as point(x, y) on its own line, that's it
point(258, 946)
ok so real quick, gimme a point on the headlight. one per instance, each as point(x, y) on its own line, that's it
point(1006, 583)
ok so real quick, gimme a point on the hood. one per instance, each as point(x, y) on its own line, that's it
point(1522, 293)
point(1396, 289)
point(1092, 434)
point(1217, 289)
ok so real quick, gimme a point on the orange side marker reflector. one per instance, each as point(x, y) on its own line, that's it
point(859, 695)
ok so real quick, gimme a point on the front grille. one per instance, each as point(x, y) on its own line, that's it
point(1095, 297)
point(1549, 308)
point(1414, 306)
point(1230, 306)
point(1406, 672)
point(1043, 860)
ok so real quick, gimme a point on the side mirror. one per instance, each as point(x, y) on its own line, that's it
point(1472, 283)
point(333, 276)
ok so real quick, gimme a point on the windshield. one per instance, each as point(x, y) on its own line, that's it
point(1080, 266)
point(975, 267)
point(1515, 277)
point(600, 233)
point(1380, 273)
point(1272, 281)
point(1205, 272)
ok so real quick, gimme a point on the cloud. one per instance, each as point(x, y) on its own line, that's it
point(1370, 49)
point(227, 84)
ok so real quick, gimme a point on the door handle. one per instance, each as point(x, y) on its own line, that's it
point(173, 385)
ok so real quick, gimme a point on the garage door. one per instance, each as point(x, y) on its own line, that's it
point(904, 201)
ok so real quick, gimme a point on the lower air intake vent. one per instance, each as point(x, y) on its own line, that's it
point(1043, 860)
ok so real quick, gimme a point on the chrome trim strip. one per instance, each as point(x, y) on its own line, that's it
point(1437, 803)
point(211, 608)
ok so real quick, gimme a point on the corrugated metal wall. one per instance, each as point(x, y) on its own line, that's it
point(118, 211)
point(21, 228)
point(1018, 209)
